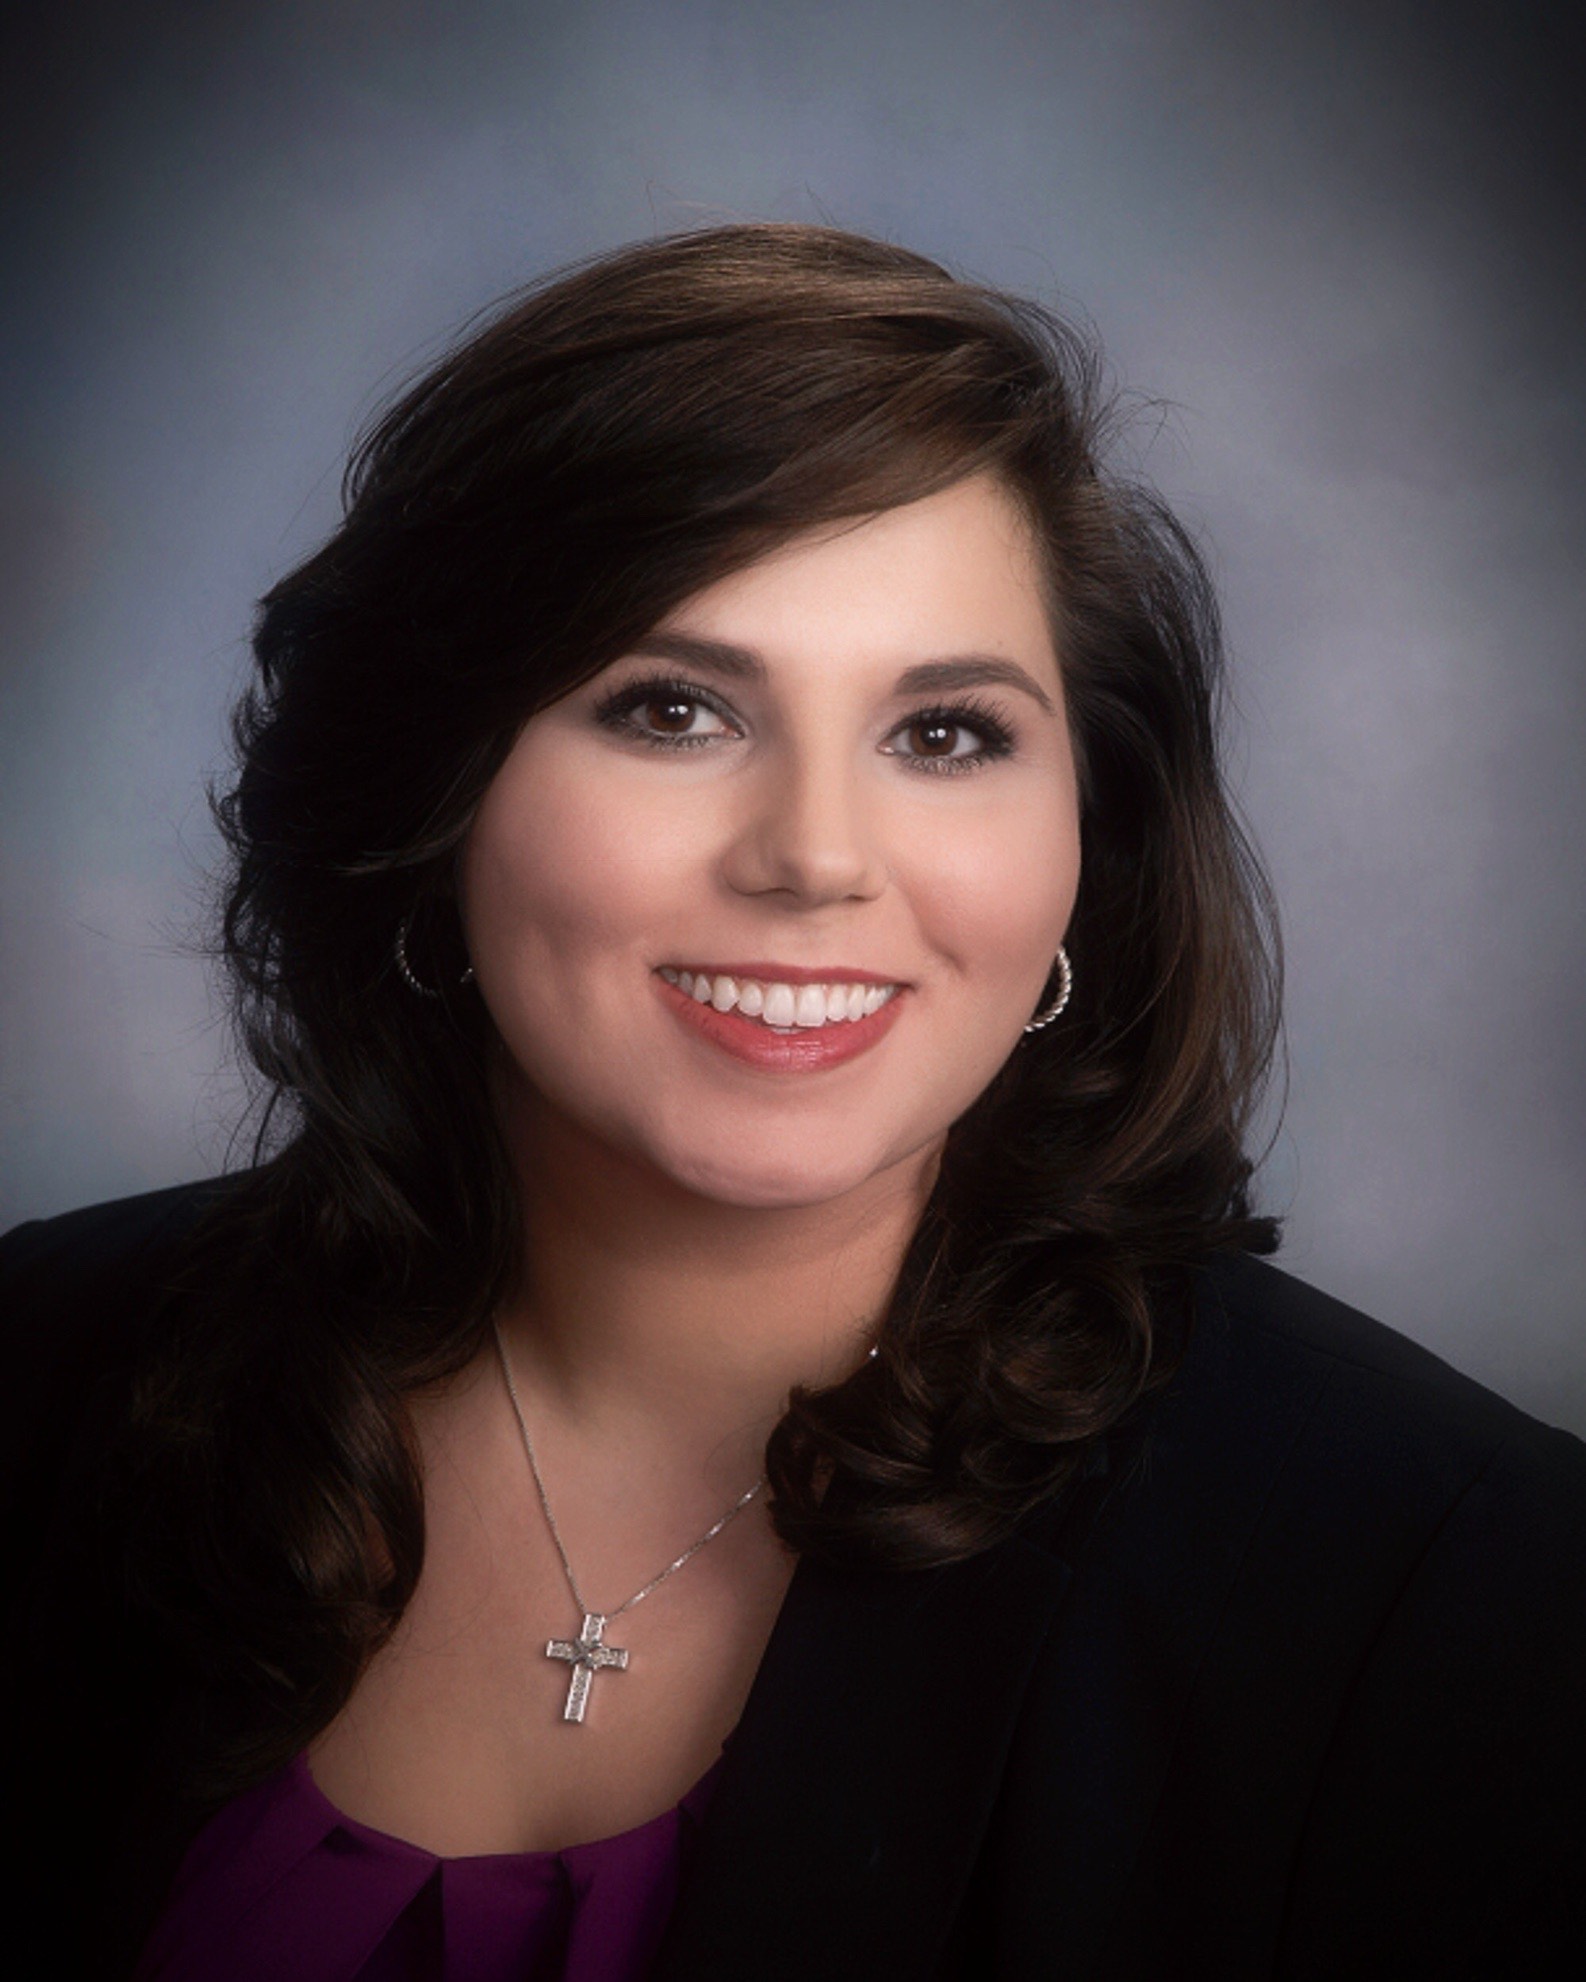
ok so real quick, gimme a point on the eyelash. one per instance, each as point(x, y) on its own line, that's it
point(615, 710)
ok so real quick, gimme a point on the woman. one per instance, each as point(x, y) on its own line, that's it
point(740, 1431)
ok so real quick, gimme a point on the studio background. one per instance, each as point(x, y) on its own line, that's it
point(1340, 244)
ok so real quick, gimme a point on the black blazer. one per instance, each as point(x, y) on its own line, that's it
point(1292, 1684)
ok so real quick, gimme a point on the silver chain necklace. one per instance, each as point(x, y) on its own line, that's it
point(588, 1653)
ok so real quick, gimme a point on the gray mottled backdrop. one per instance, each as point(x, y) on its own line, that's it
point(1341, 241)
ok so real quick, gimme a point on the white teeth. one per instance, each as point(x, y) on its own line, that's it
point(810, 1008)
point(786, 1007)
point(780, 1006)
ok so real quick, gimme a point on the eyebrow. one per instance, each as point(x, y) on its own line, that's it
point(951, 672)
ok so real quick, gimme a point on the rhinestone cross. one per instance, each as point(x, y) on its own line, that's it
point(587, 1655)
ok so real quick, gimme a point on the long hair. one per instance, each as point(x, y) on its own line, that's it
point(604, 446)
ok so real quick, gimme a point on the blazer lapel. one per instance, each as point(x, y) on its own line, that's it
point(862, 1776)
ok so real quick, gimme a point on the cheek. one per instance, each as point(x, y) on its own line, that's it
point(557, 884)
point(555, 867)
point(996, 894)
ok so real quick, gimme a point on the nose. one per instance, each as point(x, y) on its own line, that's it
point(805, 831)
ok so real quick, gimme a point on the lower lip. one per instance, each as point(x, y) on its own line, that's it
point(805, 1050)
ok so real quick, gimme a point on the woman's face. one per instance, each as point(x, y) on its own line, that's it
point(840, 779)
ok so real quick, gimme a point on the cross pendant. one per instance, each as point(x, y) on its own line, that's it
point(587, 1655)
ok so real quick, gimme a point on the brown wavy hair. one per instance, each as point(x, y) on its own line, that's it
point(606, 444)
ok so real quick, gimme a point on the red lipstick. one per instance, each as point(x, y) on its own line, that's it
point(807, 1049)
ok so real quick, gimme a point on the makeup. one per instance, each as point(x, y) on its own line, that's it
point(799, 1050)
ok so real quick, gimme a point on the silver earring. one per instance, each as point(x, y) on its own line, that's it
point(402, 964)
point(1065, 976)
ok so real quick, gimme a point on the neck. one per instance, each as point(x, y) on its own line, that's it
point(658, 1320)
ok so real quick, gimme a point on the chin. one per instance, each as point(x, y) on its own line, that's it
point(770, 1182)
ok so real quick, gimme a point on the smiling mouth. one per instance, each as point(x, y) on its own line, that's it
point(780, 1006)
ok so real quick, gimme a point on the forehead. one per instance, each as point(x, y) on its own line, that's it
point(957, 571)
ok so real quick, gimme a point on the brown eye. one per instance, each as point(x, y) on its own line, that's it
point(672, 714)
point(960, 736)
point(667, 715)
point(933, 738)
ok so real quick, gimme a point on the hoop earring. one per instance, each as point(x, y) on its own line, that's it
point(400, 950)
point(1065, 976)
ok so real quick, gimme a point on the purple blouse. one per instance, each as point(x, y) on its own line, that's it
point(280, 1883)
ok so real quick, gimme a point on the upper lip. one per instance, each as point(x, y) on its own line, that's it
point(790, 973)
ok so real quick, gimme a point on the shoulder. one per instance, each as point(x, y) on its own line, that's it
point(73, 1249)
point(1312, 1488)
point(63, 1279)
point(76, 1292)
point(1241, 1295)
point(1325, 1622)
point(1292, 1420)
point(1367, 1456)
point(1296, 1430)
point(1351, 1409)
point(1420, 1557)
point(89, 1679)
